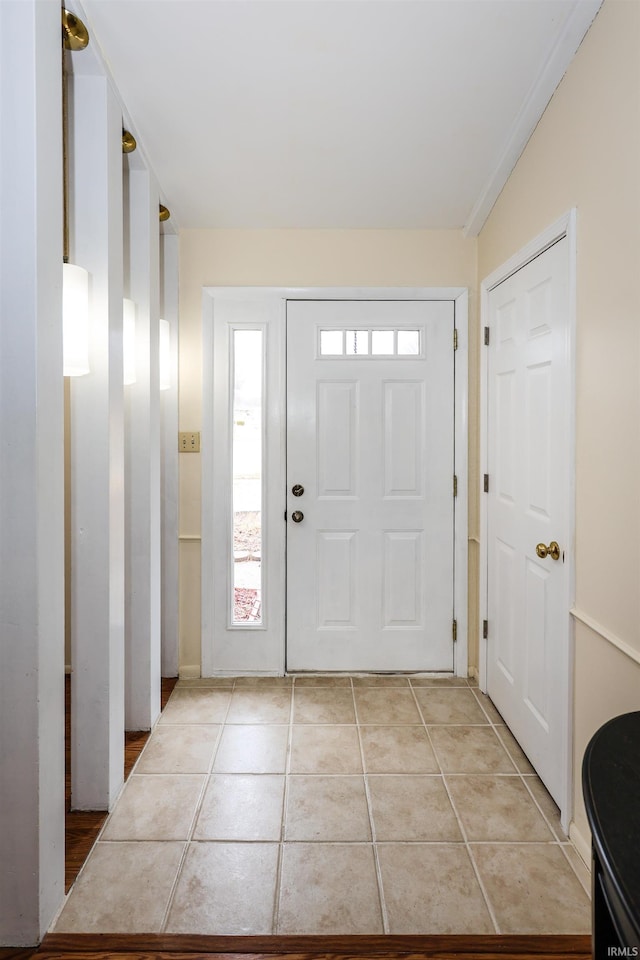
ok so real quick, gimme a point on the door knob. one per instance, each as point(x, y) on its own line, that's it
point(553, 550)
point(297, 516)
point(297, 489)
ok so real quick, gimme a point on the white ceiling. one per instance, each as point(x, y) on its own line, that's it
point(334, 113)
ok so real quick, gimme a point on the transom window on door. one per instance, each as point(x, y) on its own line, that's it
point(370, 342)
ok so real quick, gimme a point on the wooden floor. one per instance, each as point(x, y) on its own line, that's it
point(165, 947)
point(82, 826)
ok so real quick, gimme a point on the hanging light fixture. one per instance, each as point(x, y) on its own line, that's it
point(165, 355)
point(75, 279)
point(129, 341)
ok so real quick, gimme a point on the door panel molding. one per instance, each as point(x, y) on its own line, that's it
point(271, 661)
point(565, 226)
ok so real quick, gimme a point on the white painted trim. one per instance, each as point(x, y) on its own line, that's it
point(564, 226)
point(226, 646)
point(460, 296)
point(96, 448)
point(461, 504)
point(206, 467)
point(532, 109)
point(335, 293)
point(605, 634)
point(582, 845)
point(93, 63)
point(483, 601)
point(169, 475)
point(143, 464)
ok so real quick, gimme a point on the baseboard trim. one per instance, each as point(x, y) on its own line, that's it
point(190, 671)
point(582, 845)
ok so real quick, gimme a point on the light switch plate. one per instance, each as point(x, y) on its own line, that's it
point(189, 442)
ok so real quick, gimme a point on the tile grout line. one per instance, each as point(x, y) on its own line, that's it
point(523, 778)
point(194, 818)
point(102, 828)
point(519, 773)
point(107, 818)
point(493, 725)
point(374, 844)
point(448, 780)
point(555, 840)
point(564, 847)
point(275, 916)
point(461, 827)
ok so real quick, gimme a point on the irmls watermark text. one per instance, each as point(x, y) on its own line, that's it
point(623, 952)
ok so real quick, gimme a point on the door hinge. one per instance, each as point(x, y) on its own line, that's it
point(485, 629)
point(454, 630)
point(455, 485)
point(486, 336)
point(486, 483)
point(455, 338)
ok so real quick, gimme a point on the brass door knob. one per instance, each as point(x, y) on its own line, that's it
point(553, 550)
point(297, 516)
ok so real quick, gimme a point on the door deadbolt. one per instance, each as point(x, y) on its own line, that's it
point(553, 550)
point(297, 489)
point(297, 516)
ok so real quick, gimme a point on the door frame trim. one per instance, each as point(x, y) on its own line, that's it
point(565, 226)
point(460, 298)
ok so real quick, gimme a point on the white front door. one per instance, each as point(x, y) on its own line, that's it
point(370, 455)
point(529, 463)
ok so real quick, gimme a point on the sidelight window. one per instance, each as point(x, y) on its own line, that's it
point(247, 469)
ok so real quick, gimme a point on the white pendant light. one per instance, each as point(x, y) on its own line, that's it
point(129, 341)
point(165, 355)
point(75, 320)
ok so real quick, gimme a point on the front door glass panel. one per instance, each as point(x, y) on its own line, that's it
point(248, 389)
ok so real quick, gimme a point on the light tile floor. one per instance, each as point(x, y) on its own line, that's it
point(331, 805)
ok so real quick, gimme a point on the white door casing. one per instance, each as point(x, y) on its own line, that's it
point(528, 458)
point(233, 648)
point(370, 439)
point(229, 648)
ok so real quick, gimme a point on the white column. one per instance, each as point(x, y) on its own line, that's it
point(97, 454)
point(31, 474)
point(169, 480)
point(142, 451)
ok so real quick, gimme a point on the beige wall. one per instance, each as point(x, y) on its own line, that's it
point(585, 153)
point(296, 258)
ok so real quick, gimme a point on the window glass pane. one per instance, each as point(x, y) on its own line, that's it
point(408, 342)
point(382, 341)
point(247, 475)
point(357, 342)
point(330, 342)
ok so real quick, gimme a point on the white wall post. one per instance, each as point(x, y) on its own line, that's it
point(97, 454)
point(142, 453)
point(169, 481)
point(31, 474)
